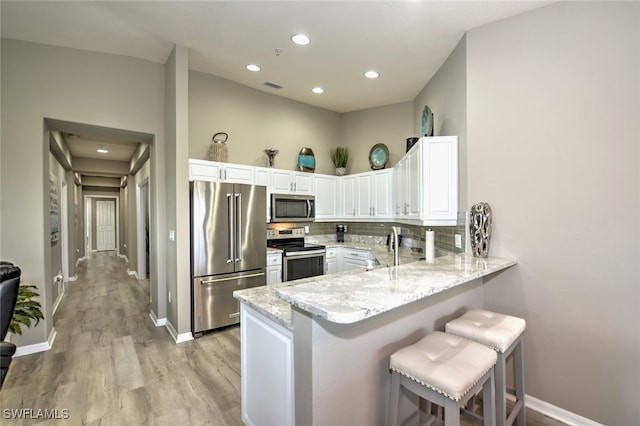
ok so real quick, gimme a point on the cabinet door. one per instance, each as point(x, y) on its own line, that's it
point(281, 182)
point(349, 196)
point(355, 259)
point(204, 170)
point(364, 206)
point(261, 176)
point(236, 173)
point(414, 184)
point(274, 274)
point(400, 188)
point(326, 197)
point(303, 183)
point(381, 199)
point(440, 180)
point(266, 371)
point(332, 266)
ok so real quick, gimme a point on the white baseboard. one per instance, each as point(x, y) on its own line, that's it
point(159, 322)
point(37, 347)
point(133, 273)
point(179, 338)
point(58, 300)
point(80, 259)
point(73, 278)
point(558, 413)
point(124, 256)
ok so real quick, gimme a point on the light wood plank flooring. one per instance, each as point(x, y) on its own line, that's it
point(110, 365)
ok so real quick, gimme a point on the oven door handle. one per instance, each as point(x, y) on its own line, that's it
point(304, 253)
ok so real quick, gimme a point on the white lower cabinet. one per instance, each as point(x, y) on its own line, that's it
point(274, 268)
point(267, 376)
point(332, 260)
point(355, 259)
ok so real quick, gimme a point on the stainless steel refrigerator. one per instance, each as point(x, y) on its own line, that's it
point(228, 249)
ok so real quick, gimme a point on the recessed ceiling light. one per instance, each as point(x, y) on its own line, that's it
point(253, 67)
point(300, 39)
point(317, 90)
point(371, 74)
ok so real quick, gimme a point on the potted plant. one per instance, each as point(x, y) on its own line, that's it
point(27, 309)
point(339, 157)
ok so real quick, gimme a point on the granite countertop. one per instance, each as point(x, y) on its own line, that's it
point(358, 296)
point(353, 296)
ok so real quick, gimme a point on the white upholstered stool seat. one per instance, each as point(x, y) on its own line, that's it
point(446, 370)
point(503, 333)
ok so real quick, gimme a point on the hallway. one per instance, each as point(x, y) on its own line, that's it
point(110, 365)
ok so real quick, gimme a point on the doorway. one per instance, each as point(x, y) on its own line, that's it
point(105, 225)
point(102, 223)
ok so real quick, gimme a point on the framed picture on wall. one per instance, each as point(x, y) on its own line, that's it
point(54, 210)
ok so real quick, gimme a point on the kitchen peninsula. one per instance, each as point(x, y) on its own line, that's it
point(316, 351)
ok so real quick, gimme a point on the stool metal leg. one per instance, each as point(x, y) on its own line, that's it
point(500, 387)
point(394, 399)
point(488, 401)
point(520, 403)
point(451, 413)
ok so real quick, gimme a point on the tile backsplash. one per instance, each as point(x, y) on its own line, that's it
point(412, 235)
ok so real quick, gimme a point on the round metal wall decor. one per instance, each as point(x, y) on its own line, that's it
point(480, 223)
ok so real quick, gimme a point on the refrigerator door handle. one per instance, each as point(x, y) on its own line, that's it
point(308, 208)
point(218, 280)
point(230, 229)
point(238, 222)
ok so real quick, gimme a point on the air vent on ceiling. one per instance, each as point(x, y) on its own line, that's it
point(273, 85)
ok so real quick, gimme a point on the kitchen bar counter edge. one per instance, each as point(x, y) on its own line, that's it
point(350, 297)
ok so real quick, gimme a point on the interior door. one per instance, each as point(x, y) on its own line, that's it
point(105, 225)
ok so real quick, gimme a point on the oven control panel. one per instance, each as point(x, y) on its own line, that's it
point(275, 234)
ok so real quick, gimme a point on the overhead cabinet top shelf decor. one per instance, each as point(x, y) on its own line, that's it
point(422, 189)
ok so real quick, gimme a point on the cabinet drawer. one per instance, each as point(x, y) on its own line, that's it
point(356, 254)
point(331, 252)
point(274, 259)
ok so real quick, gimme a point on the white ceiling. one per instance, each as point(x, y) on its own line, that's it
point(405, 41)
point(83, 146)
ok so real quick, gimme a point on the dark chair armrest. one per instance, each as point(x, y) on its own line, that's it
point(7, 350)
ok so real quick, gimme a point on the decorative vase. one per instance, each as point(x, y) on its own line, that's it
point(271, 154)
point(340, 171)
point(306, 160)
point(218, 150)
point(426, 124)
point(480, 223)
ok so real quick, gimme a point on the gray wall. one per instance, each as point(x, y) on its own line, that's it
point(255, 121)
point(99, 89)
point(553, 145)
point(178, 294)
point(446, 96)
point(361, 130)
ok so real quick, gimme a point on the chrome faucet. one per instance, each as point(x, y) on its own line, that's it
point(396, 246)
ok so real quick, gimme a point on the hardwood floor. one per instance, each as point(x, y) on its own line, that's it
point(110, 365)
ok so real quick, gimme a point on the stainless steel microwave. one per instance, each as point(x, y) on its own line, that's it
point(293, 208)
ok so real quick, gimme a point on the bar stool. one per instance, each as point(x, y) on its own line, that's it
point(503, 333)
point(446, 370)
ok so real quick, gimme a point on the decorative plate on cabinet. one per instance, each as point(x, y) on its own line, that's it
point(378, 156)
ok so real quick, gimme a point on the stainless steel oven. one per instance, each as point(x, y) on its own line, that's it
point(302, 264)
point(299, 259)
point(293, 208)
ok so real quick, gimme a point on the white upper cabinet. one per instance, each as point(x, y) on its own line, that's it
point(220, 172)
point(426, 183)
point(349, 196)
point(291, 182)
point(372, 195)
point(327, 197)
point(421, 189)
